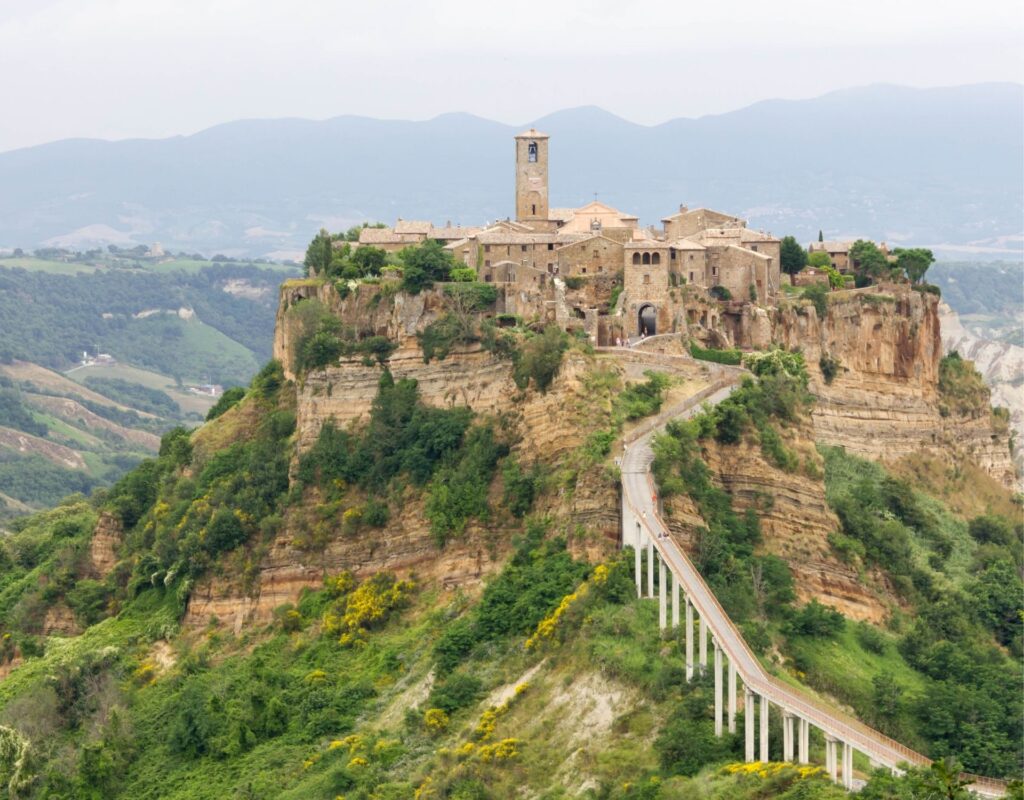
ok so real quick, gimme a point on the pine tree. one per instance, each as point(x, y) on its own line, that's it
point(821, 236)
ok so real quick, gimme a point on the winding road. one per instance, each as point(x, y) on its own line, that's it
point(643, 526)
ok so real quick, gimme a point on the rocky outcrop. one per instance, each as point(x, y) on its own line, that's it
point(1001, 365)
point(547, 426)
point(795, 521)
point(883, 400)
point(106, 538)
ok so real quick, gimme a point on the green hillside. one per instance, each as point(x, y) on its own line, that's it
point(551, 680)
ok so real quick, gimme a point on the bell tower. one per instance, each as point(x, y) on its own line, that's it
point(532, 177)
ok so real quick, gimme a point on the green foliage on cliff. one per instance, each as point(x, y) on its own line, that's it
point(540, 358)
point(962, 390)
point(730, 357)
point(320, 339)
point(963, 580)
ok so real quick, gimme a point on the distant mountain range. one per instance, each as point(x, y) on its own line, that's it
point(923, 166)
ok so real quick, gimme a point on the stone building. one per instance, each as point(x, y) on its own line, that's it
point(668, 276)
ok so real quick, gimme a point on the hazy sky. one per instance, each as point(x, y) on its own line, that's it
point(124, 68)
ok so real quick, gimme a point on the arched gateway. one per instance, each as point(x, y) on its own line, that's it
point(647, 320)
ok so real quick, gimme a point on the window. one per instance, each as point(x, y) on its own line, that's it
point(596, 255)
point(523, 247)
point(691, 277)
point(534, 209)
point(583, 271)
point(753, 247)
point(691, 256)
point(551, 245)
point(647, 279)
point(647, 258)
point(714, 271)
point(487, 248)
point(487, 277)
point(487, 263)
point(656, 258)
point(532, 152)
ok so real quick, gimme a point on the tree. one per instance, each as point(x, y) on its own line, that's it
point(319, 253)
point(819, 259)
point(821, 236)
point(869, 263)
point(424, 264)
point(913, 262)
point(792, 256)
point(369, 260)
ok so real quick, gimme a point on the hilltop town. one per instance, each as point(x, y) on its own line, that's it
point(597, 269)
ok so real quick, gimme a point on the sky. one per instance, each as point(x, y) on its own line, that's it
point(117, 69)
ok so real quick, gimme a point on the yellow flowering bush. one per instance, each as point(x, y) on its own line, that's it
point(436, 720)
point(504, 750)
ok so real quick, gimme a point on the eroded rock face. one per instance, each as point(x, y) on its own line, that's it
point(549, 425)
point(795, 522)
point(883, 402)
point(106, 538)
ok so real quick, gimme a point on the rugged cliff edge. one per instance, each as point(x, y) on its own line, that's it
point(882, 400)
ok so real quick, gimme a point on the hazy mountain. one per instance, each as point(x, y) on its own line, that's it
point(927, 166)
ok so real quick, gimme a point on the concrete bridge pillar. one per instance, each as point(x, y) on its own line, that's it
point(638, 564)
point(675, 600)
point(847, 766)
point(763, 721)
point(787, 736)
point(805, 742)
point(662, 594)
point(732, 697)
point(689, 640)
point(703, 645)
point(831, 764)
point(718, 689)
point(748, 724)
point(650, 565)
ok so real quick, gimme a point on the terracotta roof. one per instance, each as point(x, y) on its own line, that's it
point(702, 211)
point(561, 214)
point(647, 244)
point(830, 247)
point(412, 226)
point(452, 232)
point(749, 252)
point(583, 239)
point(686, 244)
point(379, 236)
point(533, 133)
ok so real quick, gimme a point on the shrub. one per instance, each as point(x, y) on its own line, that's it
point(437, 339)
point(962, 390)
point(642, 399)
point(574, 282)
point(721, 293)
point(818, 296)
point(520, 487)
point(228, 400)
point(472, 296)
point(462, 275)
point(829, 367)
point(455, 692)
point(815, 620)
point(731, 357)
point(540, 358)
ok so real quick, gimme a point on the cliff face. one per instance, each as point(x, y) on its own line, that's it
point(547, 427)
point(883, 402)
point(795, 522)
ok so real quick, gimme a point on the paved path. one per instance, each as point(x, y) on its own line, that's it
point(638, 500)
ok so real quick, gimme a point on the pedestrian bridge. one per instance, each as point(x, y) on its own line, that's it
point(683, 597)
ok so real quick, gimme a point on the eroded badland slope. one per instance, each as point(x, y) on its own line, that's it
point(392, 570)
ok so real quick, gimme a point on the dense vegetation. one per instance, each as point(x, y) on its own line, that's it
point(50, 319)
point(432, 447)
point(964, 580)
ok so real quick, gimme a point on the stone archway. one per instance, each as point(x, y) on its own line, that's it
point(647, 320)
